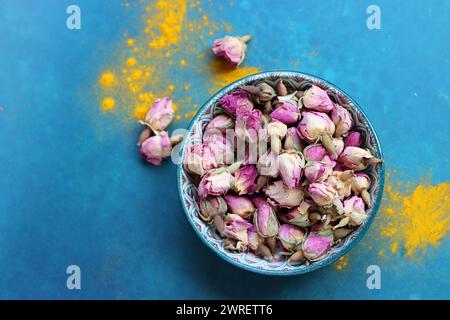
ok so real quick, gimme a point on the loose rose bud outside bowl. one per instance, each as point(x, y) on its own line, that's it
point(248, 260)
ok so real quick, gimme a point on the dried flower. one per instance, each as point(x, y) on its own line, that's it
point(317, 99)
point(248, 124)
point(254, 239)
point(280, 195)
point(299, 215)
point(212, 206)
point(317, 244)
point(317, 126)
point(314, 152)
point(290, 166)
point(160, 114)
point(231, 49)
point(322, 193)
point(360, 185)
point(241, 206)
point(236, 100)
point(357, 158)
point(355, 210)
point(317, 171)
point(264, 219)
point(215, 182)
point(342, 120)
point(199, 159)
point(353, 139)
point(221, 148)
point(276, 131)
point(268, 164)
point(292, 142)
point(341, 183)
point(219, 125)
point(236, 228)
point(291, 237)
point(245, 180)
point(286, 113)
point(262, 93)
point(156, 148)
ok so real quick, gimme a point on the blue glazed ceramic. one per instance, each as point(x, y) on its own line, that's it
point(247, 260)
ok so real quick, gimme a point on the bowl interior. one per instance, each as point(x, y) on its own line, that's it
point(248, 260)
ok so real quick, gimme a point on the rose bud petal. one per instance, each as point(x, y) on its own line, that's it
point(254, 240)
point(316, 245)
point(357, 158)
point(291, 237)
point(292, 142)
point(199, 159)
point(236, 228)
point(265, 220)
point(248, 124)
point(360, 182)
point(317, 99)
point(245, 180)
point(221, 148)
point(322, 193)
point(241, 206)
point(286, 113)
point(212, 206)
point(338, 144)
point(219, 124)
point(316, 171)
point(231, 49)
point(156, 148)
point(353, 139)
point(160, 114)
point(299, 216)
point(268, 164)
point(314, 152)
point(342, 186)
point(280, 195)
point(215, 182)
point(276, 131)
point(261, 93)
point(355, 209)
point(342, 120)
point(235, 100)
point(290, 166)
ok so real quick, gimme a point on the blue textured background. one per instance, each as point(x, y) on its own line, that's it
point(72, 195)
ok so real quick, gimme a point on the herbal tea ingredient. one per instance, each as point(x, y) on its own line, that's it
point(299, 198)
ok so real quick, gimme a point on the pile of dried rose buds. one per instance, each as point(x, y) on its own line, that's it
point(281, 173)
point(155, 143)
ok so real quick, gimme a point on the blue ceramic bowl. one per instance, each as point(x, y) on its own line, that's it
point(247, 260)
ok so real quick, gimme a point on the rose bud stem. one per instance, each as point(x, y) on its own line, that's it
point(145, 134)
point(276, 145)
point(280, 88)
point(373, 160)
point(328, 144)
point(252, 90)
point(272, 244)
point(296, 257)
point(265, 252)
point(245, 38)
point(268, 107)
point(220, 225)
point(174, 140)
point(365, 195)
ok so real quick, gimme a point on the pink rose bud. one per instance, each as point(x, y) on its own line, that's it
point(291, 237)
point(221, 148)
point(357, 158)
point(353, 139)
point(254, 240)
point(238, 99)
point(268, 164)
point(199, 159)
point(338, 144)
point(241, 206)
point(156, 148)
point(210, 207)
point(316, 245)
point(276, 131)
point(355, 209)
point(248, 124)
point(316, 171)
point(236, 228)
point(292, 142)
point(322, 193)
point(245, 180)
point(215, 182)
point(219, 124)
point(314, 152)
point(314, 125)
point(317, 99)
point(160, 114)
point(342, 119)
point(265, 220)
point(280, 195)
point(231, 49)
point(286, 113)
point(360, 182)
point(299, 215)
point(290, 166)
point(341, 185)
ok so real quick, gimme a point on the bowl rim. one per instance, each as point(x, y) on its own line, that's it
point(321, 263)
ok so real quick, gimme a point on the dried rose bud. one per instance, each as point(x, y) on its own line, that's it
point(160, 114)
point(276, 131)
point(317, 126)
point(292, 142)
point(156, 148)
point(299, 216)
point(316, 245)
point(357, 158)
point(215, 182)
point(281, 88)
point(280, 195)
point(290, 166)
point(291, 237)
point(360, 182)
point(235, 100)
point(316, 171)
point(317, 99)
point(264, 219)
point(314, 152)
point(248, 124)
point(221, 148)
point(340, 184)
point(236, 228)
point(231, 49)
point(254, 240)
point(286, 113)
point(322, 193)
point(342, 119)
point(212, 206)
point(261, 93)
point(353, 139)
point(199, 159)
point(219, 124)
point(338, 145)
point(245, 180)
point(241, 206)
point(355, 209)
point(268, 164)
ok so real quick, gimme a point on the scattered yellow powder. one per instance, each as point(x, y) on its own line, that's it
point(131, 62)
point(108, 104)
point(222, 74)
point(130, 42)
point(342, 262)
point(171, 87)
point(107, 79)
point(182, 62)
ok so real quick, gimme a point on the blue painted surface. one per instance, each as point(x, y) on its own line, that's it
point(74, 191)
